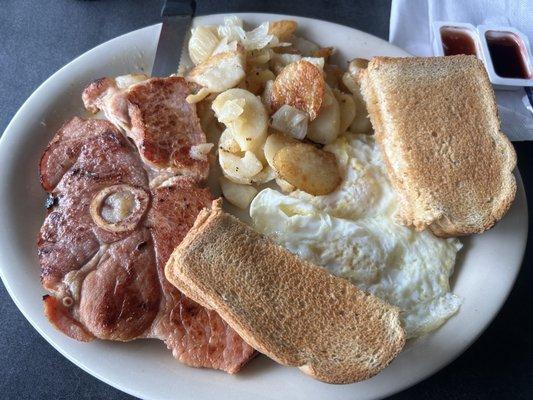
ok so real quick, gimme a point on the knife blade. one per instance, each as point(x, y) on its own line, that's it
point(177, 16)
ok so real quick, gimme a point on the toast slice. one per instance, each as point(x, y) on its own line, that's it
point(294, 312)
point(437, 127)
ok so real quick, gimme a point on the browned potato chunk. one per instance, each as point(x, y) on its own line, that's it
point(274, 143)
point(325, 128)
point(237, 194)
point(347, 109)
point(356, 65)
point(266, 96)
point(307, 168)
point(283, 29)
point(257, 79)
point(333, 75)
point(325, 52)
point(221, 71)
point(301, 85)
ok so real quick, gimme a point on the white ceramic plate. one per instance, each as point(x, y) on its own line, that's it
point(485, 272)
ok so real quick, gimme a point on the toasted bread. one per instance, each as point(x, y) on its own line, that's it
point(437, 126)
point(292, 311)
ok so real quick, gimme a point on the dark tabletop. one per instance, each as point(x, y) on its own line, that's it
point(38, 37)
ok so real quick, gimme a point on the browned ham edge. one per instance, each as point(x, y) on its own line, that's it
point(60, 317)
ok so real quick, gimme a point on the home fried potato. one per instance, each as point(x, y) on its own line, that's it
point(303, 46)
point(318, 62)
point(260, 153)
point(300, 85)
point(350, 82)
point(361, 122)
point(356, 65)
point(324, 52)
point(266, 96)
point(347, 109)
point(326, 127)
point(257, 79)
point(230, 110)
point(259, 57)
point(208, 121)
point(351, 78)
point(312, 170)
point(283, 29)
point(237, 194)
point(239, 169)
point(250, 127)
point(227, 142)
point(274, 143)
point(280, 60)
point(221, 71)
point(266, 175)
point(333, 75)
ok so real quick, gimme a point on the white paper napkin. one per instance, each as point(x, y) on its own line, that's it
point(410, 29)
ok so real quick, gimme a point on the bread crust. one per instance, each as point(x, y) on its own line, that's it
point(437, 127)
point(294, 312)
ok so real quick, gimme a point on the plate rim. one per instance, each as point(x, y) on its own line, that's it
point(80, 364)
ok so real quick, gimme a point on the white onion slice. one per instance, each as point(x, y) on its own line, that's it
point(291, 121)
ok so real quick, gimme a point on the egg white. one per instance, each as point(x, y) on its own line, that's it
point(353, 233)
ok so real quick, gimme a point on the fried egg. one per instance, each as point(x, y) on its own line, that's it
point(353, 233)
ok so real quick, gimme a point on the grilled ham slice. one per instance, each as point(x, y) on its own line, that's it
point(155, 115)
point(106, 239)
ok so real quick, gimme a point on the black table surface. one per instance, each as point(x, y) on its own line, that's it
point(38, 37)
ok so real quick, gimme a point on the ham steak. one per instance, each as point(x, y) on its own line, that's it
point(108, 233)
point(156, 116)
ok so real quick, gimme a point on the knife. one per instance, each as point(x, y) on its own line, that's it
point(177, 16)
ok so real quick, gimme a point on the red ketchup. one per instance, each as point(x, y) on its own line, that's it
point(457, 41)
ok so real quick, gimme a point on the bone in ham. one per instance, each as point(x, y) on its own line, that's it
point(108, 233)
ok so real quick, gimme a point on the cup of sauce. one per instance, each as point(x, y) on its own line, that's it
point(457, 41)
point(454, 38)
point(508, 54)
point(504, 50)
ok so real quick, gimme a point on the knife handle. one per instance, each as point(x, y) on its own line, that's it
point(178, 7)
